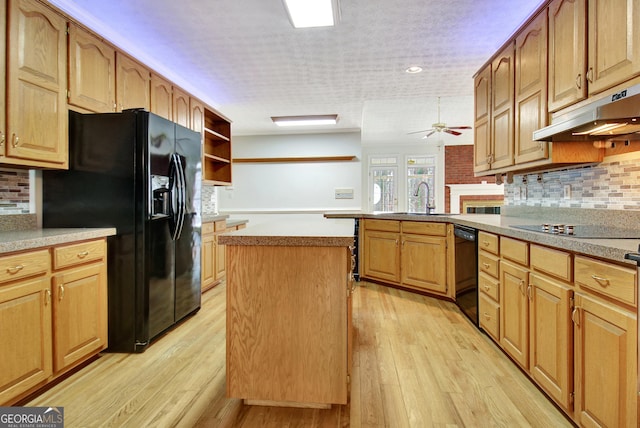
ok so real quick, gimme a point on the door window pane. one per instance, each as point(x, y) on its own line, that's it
point(383, 187)
point(420, 170)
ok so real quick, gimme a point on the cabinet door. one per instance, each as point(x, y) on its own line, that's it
point(197, 115)
point(161, 98)
point(181, 111)
point(514, 316)
point(25, 332)
point(502, 100)
point(79, 313)
point(92, 70)
point(36, 86)
point(605, 364)
point(424, 262)
point(551, 338)
point(133, 84)
point(531, 91)
point(482, 111)
point(382, 255)
point(208, 261)
point(220, 259)
point(567, 53)
point(614, 42)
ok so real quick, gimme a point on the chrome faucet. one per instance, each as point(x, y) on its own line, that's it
point(429, 208)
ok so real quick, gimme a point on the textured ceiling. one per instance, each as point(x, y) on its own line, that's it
point(244, 58)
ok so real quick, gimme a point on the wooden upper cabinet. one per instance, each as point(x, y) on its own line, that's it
point(197, 115)
point(36, 86)
point(531, 90)
point(181, 111)
point(482, 122)
point(133, 84)
point(161, 98)
point(567, 53)
point(92, 69)
point(614, 43)
point(502, 103)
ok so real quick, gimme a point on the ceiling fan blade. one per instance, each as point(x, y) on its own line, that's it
point(419, 132)
point(449, 131)
point(459, 127)
point(431, 132)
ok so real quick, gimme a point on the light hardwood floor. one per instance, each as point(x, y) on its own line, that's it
point(417, 363)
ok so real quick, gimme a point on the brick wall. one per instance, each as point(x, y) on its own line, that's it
point(458, 169)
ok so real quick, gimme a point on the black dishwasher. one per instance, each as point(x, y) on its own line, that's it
point(466, 271)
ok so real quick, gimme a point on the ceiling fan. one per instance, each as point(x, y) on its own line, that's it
point(441, 127)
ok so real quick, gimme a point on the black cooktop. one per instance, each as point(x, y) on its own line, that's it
point(583, 231)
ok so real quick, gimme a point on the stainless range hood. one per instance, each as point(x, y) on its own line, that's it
point(614, 117)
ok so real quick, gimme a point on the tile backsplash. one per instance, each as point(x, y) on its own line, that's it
point(14, 192)
point(209, 200)
point(612, 184)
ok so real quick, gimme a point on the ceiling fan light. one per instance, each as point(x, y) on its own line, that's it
point(414, 69)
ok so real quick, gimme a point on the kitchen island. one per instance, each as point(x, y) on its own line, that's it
point(289, 327)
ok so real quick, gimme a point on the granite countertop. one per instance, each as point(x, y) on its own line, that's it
point(37, 238)
point(207, 218)
point(309, 233)
point(609, 249)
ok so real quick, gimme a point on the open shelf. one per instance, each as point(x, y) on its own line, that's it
point(216, 150)
point(296, 159)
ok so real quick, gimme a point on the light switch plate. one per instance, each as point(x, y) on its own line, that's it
point(344, 193)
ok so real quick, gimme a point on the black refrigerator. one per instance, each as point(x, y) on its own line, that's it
point(141, 174)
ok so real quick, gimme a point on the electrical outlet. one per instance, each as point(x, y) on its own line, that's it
point(567, 191)
point(516, 193)
point(523, 193)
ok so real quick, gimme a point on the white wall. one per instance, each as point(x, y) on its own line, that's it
point(292, 187)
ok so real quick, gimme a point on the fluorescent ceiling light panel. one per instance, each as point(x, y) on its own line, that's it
point(311, 13)
point(326, 119)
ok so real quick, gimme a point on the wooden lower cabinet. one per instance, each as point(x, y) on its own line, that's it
point(424, 261)
point(605, 364)
point(50, 322)
point(551, 338)
point(25, 332)
point(382, 256)
point(288, 331)
point(213, 255)
point(413, 254)
point(514, 316)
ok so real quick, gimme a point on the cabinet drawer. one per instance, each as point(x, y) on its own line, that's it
point(383, 225)
point(553, 262)
point(24, 265)
point(611, 280)
point(489, 315)
point(489, 286)
point(207, 228)
point(424, 228)
point(489, 263)
point(76, 254)
point(488, 242)
point(220, 226)
point(514, 250)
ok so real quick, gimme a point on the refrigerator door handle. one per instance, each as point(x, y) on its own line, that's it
point(183, 193)
point(180, 188)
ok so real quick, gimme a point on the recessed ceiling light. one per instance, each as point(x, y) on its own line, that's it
point(312, 13)
point(325, 119)
point(413, 69)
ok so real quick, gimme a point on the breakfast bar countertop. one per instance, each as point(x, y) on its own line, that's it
point(307, 233)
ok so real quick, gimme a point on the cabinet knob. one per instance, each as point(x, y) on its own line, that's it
point(1, 139)
point(590, 75)
point(83, 254)
point(61, 292)
point(15, 269)
point(15, 140)
point(579, 81)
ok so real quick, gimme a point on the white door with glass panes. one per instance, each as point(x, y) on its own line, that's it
point(383, 191)
point(421, 169)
